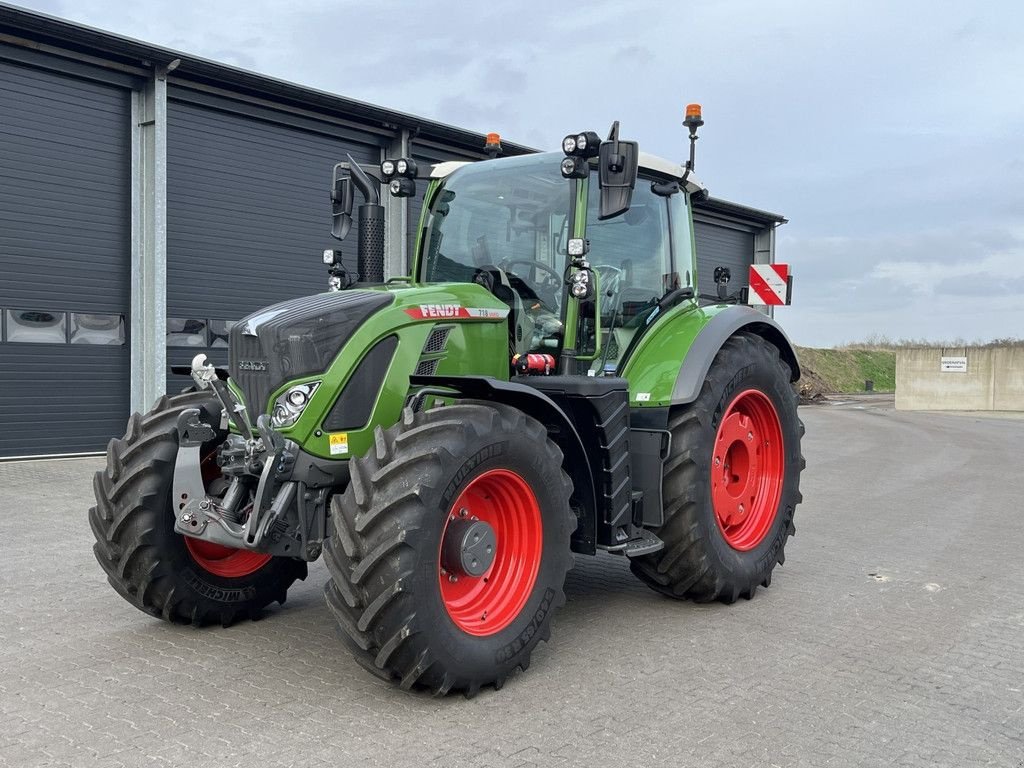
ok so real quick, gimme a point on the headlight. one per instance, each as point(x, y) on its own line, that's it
point(290, 405)
point(569, 144)
point(387, 168)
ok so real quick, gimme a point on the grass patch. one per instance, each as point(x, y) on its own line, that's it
point(844, 370)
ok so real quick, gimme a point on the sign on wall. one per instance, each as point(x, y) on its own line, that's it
point(953, 364)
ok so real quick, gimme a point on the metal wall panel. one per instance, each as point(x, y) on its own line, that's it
point(248, 216)
point(720, 245)
point(64, 247)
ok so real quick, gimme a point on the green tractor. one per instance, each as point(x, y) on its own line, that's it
point(546, 381)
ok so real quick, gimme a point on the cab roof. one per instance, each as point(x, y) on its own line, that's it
point(648, 162)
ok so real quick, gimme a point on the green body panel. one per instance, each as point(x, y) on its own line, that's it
point(652, 368)
point(477, 347)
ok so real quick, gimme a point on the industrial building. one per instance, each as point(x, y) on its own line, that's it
point(148, 198)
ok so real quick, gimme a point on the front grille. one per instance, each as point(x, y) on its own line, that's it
point(255, 384)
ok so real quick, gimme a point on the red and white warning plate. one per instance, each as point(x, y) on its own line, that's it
point(769, 284)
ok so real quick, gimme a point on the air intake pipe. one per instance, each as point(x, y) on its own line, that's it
point(370, 253)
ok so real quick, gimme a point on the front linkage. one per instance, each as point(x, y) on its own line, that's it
point(269, 506)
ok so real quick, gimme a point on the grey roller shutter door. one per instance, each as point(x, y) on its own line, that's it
point(718, 245)
point(248, 211)
point(64, 255)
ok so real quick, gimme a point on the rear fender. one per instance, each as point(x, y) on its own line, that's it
point(672, 360)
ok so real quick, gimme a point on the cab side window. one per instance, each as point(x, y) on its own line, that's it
point(633, 249)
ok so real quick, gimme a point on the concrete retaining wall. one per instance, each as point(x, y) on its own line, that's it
point(993, 381)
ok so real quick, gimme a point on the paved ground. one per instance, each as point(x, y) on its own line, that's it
point(893, 636)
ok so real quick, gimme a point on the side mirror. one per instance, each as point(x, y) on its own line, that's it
point(341, 205)
point(617, 163)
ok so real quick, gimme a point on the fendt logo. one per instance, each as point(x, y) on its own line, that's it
point(448, 311)
point(252, 365)
point(440, 310)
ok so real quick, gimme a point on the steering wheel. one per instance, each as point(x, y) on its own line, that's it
point(556, 276)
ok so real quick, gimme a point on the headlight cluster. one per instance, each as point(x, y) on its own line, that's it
point(578, 148)
point(400, 176)
point(292, 402)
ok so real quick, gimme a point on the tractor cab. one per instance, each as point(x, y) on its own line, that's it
point(506, 225)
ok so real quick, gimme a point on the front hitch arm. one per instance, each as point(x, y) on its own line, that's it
point(199, 516)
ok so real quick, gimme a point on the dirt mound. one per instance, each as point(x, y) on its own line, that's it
point(811, 387)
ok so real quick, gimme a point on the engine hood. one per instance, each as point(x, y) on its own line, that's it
point(295, 338)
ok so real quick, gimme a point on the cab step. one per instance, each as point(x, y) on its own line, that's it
point(645, 543)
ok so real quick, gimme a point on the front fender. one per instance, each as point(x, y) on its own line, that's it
point(672, 359)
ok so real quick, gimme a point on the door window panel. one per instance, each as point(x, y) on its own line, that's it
point(89, 328)
point(36, 326)
point(186, 332)
point(219, 330)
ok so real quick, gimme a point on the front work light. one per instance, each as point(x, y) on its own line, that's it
point(402, 187)
point(577, 247)
point(575, 167)
point(387, 169)
point(585, 144)
point(406, 167)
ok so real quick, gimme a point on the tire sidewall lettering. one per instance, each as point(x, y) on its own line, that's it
point(216, 593)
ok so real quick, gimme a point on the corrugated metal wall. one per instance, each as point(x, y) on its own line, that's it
point(64, 261)
point(248, 216)
point(720, 245)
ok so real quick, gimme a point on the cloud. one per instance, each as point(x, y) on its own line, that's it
point(888, 133)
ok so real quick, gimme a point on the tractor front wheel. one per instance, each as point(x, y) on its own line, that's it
point(174, 577)
point(450, 546)
point(732, 480)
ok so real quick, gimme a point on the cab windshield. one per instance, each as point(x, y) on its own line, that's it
point(503, 224)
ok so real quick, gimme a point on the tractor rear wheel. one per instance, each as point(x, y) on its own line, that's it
point(167, 575)
point(732, 480)
point(450, 546)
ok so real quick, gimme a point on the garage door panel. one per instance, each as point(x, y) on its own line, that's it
point(61, 399)
point(64, 248)
point(722, 246)
point(248, 211)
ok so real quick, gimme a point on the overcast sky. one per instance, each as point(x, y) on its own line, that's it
point(890, 133)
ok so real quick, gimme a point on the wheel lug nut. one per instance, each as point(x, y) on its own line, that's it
point(750, 435)
point(718, 461)
point(463, 512)
point(453, 578)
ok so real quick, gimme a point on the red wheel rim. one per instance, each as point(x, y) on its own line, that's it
point(488, 603)
point(748, 467)
point(227, 562)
